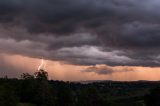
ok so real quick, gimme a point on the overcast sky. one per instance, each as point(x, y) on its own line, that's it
point(99, 34)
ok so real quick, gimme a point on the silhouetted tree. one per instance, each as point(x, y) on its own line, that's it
point(27, 76)
point(41, 74)
point(27, 88)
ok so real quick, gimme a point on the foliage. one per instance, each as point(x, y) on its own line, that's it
point(7, 96)
point(41, 74)
point(36, 90)
point(27, 76)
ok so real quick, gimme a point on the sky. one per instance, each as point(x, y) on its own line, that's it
point(81, 39)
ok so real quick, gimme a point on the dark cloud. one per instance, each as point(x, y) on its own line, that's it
point(105, 69)
point(82, 32)
point(100, 70)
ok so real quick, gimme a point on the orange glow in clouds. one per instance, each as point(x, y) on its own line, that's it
point(61, 71)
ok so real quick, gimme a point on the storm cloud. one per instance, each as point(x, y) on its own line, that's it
point(105, 69)
point(84, 32)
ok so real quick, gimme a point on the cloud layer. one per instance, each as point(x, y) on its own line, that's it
point(85, 32)
point(105, 69)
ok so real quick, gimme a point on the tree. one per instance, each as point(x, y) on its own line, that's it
point(27, 88)
point(26, 76)
point(41, 74)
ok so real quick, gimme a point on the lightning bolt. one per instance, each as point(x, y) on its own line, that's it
point(42, 65)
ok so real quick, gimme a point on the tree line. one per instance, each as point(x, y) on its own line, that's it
point(37, 90)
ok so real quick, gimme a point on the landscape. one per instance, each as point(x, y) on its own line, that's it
point(79, 53)
point(37, 90)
